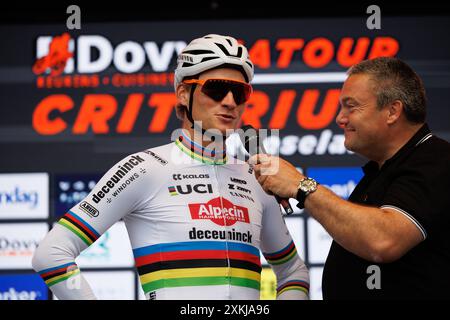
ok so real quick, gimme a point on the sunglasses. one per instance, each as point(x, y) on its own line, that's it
point(217, 89)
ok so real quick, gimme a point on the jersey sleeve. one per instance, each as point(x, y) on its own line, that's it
point(280, 252)
point(414, 193)
point(119, 192)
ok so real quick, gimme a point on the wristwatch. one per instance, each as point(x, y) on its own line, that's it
point(305, 187)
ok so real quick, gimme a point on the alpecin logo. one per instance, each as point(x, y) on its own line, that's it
point(220, 211)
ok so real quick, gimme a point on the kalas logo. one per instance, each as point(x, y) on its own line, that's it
point(126, 57)
point(220, 211)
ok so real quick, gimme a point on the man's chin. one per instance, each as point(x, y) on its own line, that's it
point(349, 146)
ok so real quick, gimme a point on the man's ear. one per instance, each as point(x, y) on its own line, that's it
point(395, 109)
point(182, 93)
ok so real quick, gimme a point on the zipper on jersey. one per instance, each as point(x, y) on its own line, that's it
point(225, 226)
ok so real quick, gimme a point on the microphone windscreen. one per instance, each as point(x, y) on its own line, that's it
point(250, 140)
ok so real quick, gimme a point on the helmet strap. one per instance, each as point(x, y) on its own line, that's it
point(189, 108)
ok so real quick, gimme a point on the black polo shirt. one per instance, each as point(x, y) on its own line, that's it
point(416, 183)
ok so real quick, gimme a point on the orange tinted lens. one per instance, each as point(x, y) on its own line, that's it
point(217, 89)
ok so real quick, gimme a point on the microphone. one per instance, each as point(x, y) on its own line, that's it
point(253, 144)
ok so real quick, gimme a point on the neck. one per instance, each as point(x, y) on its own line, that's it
point(202, 147)
point(214, 141)
point(397, 138)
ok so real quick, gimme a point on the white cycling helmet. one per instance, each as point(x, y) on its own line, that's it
point(209, 52)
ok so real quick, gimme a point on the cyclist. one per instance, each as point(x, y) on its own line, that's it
point(197, 221)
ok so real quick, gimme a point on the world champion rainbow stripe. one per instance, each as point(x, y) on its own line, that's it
point(58, 274)
point(282, 256)
point(200, 263)
point(80, 227)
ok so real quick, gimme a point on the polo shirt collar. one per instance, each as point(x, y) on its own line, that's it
point(421, 135)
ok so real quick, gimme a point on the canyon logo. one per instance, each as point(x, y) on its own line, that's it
point(220, 211)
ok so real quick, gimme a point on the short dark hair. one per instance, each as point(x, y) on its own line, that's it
point(395, 80)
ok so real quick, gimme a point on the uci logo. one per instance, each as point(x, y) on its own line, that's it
point(188, 189)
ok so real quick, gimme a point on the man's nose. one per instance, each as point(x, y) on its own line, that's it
point(228, 100)
point(341, 119)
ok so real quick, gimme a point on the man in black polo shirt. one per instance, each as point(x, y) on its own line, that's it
point(390, 237)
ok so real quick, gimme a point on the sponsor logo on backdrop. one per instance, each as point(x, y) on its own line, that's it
point(16, 247)
point(18, 242)
point(100, 251)
point(24, 195)
point(112, 249)
point(57, 57)
point(220, 211)
point(72, 189)
point(22, 287)
point(136, 64)
point(341, 180)
point(28, 198)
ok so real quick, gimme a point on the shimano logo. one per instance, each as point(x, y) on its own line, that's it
point(18, 196)
point(123, 170)
point(13, 294)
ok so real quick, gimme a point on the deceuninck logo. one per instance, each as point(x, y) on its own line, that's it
point(220, 211)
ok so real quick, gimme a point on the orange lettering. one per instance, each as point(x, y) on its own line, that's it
point(282, 109)
point(130, 113)
point(41, 122)
point(95, 111)
point(345, 58)
point(164, 104)
point(305, 113)
point(260, 53)
point(318, 53)
point(384, 47)
point(287, 48)
point(257, 107)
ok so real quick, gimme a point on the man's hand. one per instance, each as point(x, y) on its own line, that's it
point(275, 175)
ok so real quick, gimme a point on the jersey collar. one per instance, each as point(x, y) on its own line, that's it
point(200, 153)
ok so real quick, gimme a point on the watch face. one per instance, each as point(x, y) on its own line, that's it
point(308, 185)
